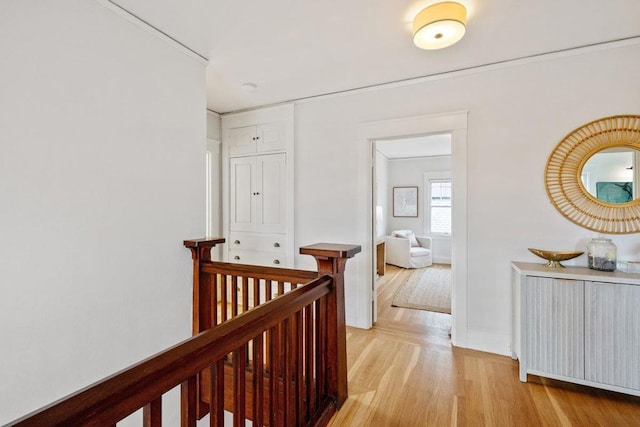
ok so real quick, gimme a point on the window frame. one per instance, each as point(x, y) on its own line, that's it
point(429, 177)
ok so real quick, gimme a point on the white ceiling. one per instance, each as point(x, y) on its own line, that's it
point(294, 49)
point(419, 146)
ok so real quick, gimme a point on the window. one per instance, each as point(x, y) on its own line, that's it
point(439, 206)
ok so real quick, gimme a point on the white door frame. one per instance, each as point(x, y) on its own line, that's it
point(456, 124)
point(214, 196)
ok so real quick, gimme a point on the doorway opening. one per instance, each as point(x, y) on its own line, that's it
point(454, 124)
point(419, 267)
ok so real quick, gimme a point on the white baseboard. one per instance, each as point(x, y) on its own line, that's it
point(353, 322)
point(489, 341)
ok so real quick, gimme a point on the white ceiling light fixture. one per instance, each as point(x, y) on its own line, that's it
point(439, 25)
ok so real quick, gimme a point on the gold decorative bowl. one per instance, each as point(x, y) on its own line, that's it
point(554, 257)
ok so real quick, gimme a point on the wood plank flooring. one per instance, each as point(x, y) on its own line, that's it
point(404, 372)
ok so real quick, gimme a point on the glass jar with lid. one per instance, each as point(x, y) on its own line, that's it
point(601, 253)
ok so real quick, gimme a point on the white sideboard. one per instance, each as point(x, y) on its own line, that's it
point(578, 325)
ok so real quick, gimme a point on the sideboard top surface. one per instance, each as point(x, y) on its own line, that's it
point(576, 273)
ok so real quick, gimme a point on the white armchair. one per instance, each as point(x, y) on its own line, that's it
point(407, 250)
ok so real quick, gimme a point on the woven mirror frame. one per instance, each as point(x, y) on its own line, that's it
point(563, 175)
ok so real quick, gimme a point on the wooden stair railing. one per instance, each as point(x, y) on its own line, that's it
point(223, 290)
point(277, 361)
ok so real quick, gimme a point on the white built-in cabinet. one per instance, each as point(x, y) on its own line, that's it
point(261, 138)
point(258, 186)
point(578, 325)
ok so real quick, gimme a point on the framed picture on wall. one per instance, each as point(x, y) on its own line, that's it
point(405, 201)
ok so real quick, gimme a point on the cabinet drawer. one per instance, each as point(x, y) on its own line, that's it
point(267, 259)
point(258, 242)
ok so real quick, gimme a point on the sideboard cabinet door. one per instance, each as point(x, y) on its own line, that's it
point(555, 326)
point(612, 341)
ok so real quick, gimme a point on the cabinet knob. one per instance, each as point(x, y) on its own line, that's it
point(276, 245)
point(236, 242)
point(276, 261)
point(236, 257)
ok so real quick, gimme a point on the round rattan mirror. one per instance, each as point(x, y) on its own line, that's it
point(564, 175)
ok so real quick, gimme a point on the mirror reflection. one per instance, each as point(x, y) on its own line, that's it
point(611, 175)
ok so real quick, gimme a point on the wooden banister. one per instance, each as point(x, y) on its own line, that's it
point(112, 399)
point(276, 356)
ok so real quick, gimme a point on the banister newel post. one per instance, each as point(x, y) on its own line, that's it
point(202, 317)
point(201, 252)
point(332, 259)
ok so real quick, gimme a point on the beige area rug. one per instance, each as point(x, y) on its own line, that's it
point(426, 289)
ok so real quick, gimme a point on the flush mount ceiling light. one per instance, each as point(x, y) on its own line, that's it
point(439, 25)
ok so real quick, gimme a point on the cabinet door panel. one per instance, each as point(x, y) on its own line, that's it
point(242, 200)
point(555, 326)
point(271, 137)
point(271, 184)
point(242, 140)
point(612, 341)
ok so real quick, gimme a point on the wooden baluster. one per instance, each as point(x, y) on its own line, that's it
point(268, 289)
point(216, 397)
point(234, 296)
point(331, 260)
point(267, 344)
point(239, 386)
point(214, 299)
point(274, 377)
point(321, 365)
point(280, 288)
point(286, 373)
point(299, 372)
point(245, 294)
point(308, 361)
point(223, 285)
point(258, 381)
point(188, 403)
point(290, 371)
point(256, 292)
point(152, 413)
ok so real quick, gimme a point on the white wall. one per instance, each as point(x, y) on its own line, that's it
point(517, 114)
point(214, 128)
point(102, 128)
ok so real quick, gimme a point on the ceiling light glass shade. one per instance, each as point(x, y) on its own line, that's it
point(439, 25)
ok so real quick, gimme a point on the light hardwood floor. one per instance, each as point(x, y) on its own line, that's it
point(404, 372)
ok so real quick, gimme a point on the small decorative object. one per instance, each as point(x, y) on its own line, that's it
point(602, 254)
point(405, 201)
point(554, 257)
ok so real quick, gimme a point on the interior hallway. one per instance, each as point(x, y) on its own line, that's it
point(404, 372)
